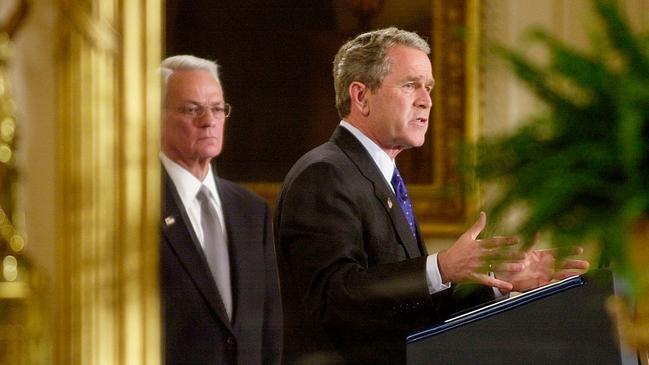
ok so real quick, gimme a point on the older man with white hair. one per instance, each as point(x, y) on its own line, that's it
point(219, 282)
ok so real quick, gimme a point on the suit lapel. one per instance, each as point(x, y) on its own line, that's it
point(179, 234)
point(361, 158)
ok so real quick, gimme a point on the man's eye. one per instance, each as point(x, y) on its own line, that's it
point(191, 109)
point(216, 110)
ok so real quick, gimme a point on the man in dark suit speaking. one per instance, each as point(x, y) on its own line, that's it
point(219, 281)
point(356, 277)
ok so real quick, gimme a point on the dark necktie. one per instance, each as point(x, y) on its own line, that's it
point(215, 248)
point(404, 201)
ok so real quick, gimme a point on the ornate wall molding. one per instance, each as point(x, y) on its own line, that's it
point(96, 29)
point(108, 182)
point(443, 206)
point(18, 300)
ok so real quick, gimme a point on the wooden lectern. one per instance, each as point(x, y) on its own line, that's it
point(562, 323)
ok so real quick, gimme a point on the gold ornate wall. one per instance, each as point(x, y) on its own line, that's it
point(23, 321)
point(445, 205)
point(108, 182)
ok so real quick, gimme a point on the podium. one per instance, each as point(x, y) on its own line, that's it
point(562, 323)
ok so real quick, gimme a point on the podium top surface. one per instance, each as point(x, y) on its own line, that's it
point(498, 307)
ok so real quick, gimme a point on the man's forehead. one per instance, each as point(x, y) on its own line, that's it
point(415, 73)
point(193, 83)
point(406, 57)
point(190, 76)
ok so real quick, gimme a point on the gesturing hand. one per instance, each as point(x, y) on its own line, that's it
point(542, 267)
point(466, 259)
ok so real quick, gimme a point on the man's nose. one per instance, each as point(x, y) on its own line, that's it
point(424, 99)
point(208, 119)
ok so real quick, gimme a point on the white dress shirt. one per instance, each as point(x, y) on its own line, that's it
point(386, 166)
point(188, 186)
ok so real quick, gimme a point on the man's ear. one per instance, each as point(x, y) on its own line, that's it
point(359, 95)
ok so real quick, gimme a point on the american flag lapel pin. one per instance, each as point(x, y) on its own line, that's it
point(170, 220)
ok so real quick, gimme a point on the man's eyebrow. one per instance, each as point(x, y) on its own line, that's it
point(421, 80)
point(418, 78)
point(191, 101)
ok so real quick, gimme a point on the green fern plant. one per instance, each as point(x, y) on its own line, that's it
point(581, 168)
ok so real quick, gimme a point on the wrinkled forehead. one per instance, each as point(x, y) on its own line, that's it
point(407, 57)
point(193, 85)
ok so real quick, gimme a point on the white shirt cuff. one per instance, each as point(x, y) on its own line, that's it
point(497, 293)
point(433, 277)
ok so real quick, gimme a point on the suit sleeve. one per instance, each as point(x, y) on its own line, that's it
point(273, 321)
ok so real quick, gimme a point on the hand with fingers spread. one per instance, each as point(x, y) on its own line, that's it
point(466, 259)
point(542, 267)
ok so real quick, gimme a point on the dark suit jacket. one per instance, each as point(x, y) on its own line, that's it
point(196, 327)
point(353, 275)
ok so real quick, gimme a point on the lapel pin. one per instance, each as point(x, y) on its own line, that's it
point(170, 220)
point(389, 203)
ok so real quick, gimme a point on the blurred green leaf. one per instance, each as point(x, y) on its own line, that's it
point(580, 168)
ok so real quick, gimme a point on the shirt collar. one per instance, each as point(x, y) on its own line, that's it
point(380, 158)
point(187, 184)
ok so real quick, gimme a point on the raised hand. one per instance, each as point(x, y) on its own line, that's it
point(542, 267)
point(466, 260)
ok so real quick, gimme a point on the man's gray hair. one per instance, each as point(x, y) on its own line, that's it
point(185, 62)
point(365, 59)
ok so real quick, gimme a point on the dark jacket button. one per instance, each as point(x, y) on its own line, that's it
point(231, 341)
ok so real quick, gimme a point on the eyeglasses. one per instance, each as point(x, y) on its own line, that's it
point(196, 111)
